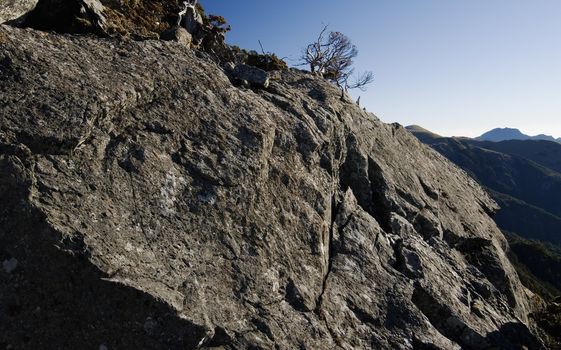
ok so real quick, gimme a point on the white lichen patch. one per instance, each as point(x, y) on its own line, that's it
point(272, 277)
point(168, 193)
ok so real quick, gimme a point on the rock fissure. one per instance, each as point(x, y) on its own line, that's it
point(380, 206)
point(330, 254)
point(88, 134)
point(365, 177)
point(449, 325)
point(429, 191)
point(138, 215)
point(363, 315)
point(399, 264)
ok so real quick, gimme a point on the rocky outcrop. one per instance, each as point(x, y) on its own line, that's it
point(149, 203)
point(131, 18)
point(141, 19)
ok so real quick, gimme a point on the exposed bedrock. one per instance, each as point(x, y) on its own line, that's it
point(149, 203)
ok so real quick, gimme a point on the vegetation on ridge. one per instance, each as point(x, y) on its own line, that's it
point(538, 264)
point(331, 55)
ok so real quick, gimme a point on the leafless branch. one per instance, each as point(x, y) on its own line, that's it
point(331, 55)
point(361, 81)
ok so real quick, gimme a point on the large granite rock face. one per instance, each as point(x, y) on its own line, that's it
point(149, 203)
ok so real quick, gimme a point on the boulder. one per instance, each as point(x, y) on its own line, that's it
point(178, 34)
point(252, 75)
point(15, 10)
point(68, 16)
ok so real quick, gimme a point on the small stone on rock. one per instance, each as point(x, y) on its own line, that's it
point(179, 34)
point(229, 66)
point(253, 75)
point(10, 265)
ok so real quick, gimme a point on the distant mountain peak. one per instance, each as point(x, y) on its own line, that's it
point(505, 134)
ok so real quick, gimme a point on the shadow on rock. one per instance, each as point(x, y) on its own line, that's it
point(51, 296)
point(514, 336)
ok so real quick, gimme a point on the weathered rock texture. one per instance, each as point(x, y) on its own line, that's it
point(149, 203)
point(11, 10)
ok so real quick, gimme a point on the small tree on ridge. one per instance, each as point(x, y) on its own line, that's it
point(331, 55)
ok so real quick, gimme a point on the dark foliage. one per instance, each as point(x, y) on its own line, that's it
point(267, 62)
point(538, 264)
point(548, 319)
point(527, 191)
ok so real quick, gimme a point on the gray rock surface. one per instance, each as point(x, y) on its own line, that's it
point(152, 204)
point(252, 75)
point(179, 34)
point(14, 9)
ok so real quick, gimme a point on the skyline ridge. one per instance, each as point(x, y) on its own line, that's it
point(449, 87)
point(517, 131)
point(508, 133)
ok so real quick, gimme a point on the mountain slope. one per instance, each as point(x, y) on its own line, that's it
point(527, 192)
point(151, 203)
point(423, 134)
point(527, 220)
point(512, 175)
point(539, 260)
point(545, 153)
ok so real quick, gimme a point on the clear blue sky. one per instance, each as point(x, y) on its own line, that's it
point(456, 67)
